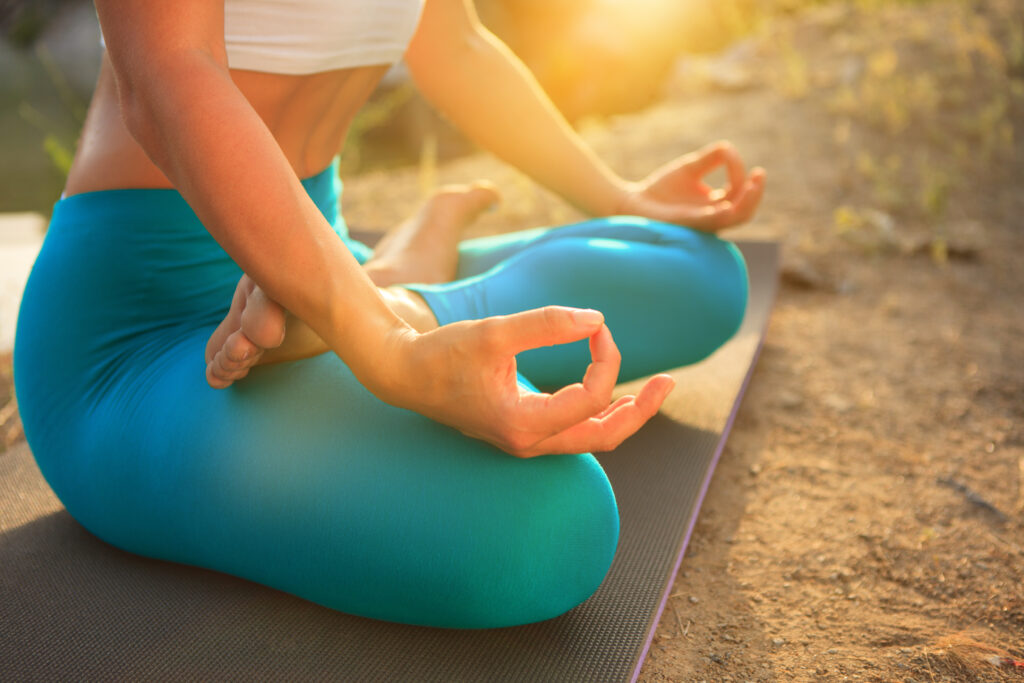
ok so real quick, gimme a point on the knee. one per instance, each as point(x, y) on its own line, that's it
point(713, 270)
point(554, 552)
point(730, 289)
point(714, 304)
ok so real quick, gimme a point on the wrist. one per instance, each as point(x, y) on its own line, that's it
point(623, 201)
point(387, 366)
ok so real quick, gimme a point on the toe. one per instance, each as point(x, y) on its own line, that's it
point(222, 370)
point(215, 376)
point(460, 204)
point(263, 320)
point(239, 350)
point(482, 195)
point(213, 380)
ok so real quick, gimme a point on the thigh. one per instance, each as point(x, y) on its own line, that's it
point(483, 253)
point(300, 479)
point(670, 295)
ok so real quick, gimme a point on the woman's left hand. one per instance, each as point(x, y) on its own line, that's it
point(677, 193)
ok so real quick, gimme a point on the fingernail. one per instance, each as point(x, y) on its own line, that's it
point(587, 316)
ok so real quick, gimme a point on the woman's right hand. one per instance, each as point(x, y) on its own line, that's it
point(464, 375)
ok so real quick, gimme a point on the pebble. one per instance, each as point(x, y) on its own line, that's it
point(837, 403)
point(693, 599)
point(778, 641)
point(790, 399)
point(798, 273)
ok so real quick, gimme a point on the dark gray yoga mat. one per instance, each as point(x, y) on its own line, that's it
point(74, 608)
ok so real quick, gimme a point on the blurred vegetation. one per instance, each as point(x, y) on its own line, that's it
point(23, 21)
point(58, 147)
point(925, 114)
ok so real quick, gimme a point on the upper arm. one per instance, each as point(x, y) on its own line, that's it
point(143, 35)
point(446, 29)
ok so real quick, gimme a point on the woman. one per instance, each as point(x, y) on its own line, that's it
point(185, 227)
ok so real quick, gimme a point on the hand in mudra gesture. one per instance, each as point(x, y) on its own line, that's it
point(466, 377)
point(677, 193)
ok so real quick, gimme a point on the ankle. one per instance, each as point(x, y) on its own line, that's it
point(411, 307)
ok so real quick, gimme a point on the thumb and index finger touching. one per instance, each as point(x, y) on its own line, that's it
point(717, 154)
point(581, 410)
point(737, 201)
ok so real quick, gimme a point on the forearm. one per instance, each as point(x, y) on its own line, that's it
point(487, 92)
point(199, 129)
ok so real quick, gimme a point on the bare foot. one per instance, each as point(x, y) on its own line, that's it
point(258, 330)
point(253, 325)
point(424, 248)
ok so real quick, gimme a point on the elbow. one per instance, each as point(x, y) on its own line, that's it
point(135, 114)
point(154, 94)
point(135, 104)
point(434, 62)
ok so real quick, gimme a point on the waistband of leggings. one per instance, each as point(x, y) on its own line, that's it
point(156, 209)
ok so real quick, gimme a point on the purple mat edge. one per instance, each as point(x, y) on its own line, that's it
point(696, 510)
point(705, 485)
point(726, 430)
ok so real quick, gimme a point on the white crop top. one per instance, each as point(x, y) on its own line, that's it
point(308, 36)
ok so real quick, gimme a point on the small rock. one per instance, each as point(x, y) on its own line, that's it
point(790, 399)
point(846, 286)
point(800, 274)
point(964, 240)
point(693, 599)
point(837, 403)
point(851, 70)
point(778, 641)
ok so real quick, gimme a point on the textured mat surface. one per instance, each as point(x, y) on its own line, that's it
point(73, 608)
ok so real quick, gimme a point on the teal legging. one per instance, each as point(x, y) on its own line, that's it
point(297, 477)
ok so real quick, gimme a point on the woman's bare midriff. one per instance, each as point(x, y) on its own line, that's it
point(309, 115)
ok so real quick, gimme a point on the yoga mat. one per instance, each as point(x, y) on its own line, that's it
point(74, 608)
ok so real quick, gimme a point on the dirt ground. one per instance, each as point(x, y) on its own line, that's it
point(866, 522)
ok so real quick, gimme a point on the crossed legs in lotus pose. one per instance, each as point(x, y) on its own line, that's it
point(672, 295)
